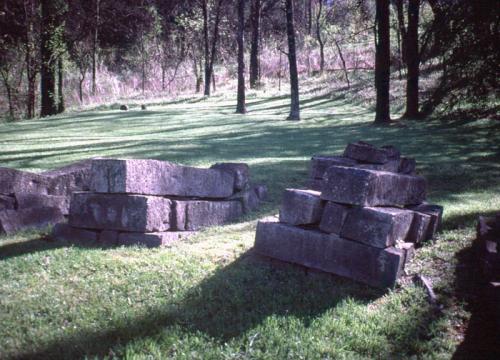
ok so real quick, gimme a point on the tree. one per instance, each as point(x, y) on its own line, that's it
point(210, 50)
point(254, 47)
point(412, 60)
point(240, 107)
point(292, 61)
point(382, 62)
point(318, 37)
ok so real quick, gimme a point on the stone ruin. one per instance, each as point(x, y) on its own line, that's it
point(362, 218)
point(156, 203)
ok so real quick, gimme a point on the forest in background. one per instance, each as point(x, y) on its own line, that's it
point(64, 53)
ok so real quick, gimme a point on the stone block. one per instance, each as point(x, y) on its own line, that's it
point(348, 185)
point(240, 172)
point(391, 166)
point(319, 164)
point(153, 177)
point(315, 184)
point(152, 239)
point(333, 217)
point(330, 253)
point(194, 215)
point(7, 202)
point(108, 238)
point(12, 221)
point(487, 230)
point(419, 228)
point(378, 227)
point(40, 200)
point(407, 166)
point(119, 212)
point(15, 181)
point(369, 153)
point(261, 191)
point(408, 249)
point(70, 178)
point(249, 199)
point(436, 214)
point(66, 233)
point(301, 207)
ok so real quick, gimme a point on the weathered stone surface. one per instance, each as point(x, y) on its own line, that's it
point(261, 191)
point(379, 227)
point(319, 164)
point(64, 232)
point(315, 184)
point(330, 253)
point(436, 214)
point(333, 217)
point(407, 166)
point(108, 238)
point(391, 166)
point(240, 172)
point(487, 230)
point(409, 251)
point(7, 202)
point(301, 207)
point(348, 185)
point(152, 239)
point(70, 178)
point(119, 212)
point(419, 228)
point(15, 181)
point(365, 152)
point(194, 215)
point(12, 221)
point(39, 200)
point(153, 177)
point(248, 198)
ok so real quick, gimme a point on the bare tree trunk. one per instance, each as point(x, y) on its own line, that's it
point(309, 16)
point(254, 48)
point(48, 69)
point(398, 4)
point(413, 61)
point(279, 73)
point(240, 106)
point(8, 88)
point(210, 55)
point(31, 71)
point(206, 46)
point(60, 79)
point(292, 60)
point(346, 74)
point(318, 37)
point(382, 62)
point(80, 86)
point(95, 45)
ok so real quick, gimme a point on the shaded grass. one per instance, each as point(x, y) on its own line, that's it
point(211, 297)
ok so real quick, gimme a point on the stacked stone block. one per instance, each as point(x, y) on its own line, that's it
point(29, 200)
point(362, 224)
point(156, 203)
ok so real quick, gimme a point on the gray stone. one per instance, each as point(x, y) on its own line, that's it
point(407, 166)
point(409, 251)
point(66, 233)
point(261, 191)
point(119, 212)
point(315, 184)
point(248, 198)
point(70, 178)
point(124, 107)
point(419, 228)
point(7, 202)
point(436, 214)
point(365, 152)
point(108, 238)
point(153, 177)
point(330, 253)
point(391, 166)
point(364, 187)
point(301, 207)
point(240, 172)
point(319, 164)
point(40, 200)
point(12, 221)
point(379, 227)
point(333, 217)
point(15, 181)
point(152, 239)
point(194, 215)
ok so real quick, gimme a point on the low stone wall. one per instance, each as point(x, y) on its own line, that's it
point(156, 203)
point(364, 221)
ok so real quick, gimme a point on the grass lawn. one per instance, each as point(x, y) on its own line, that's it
point(211, 297)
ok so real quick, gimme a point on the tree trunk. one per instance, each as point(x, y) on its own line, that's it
point(31, 71)
point(398, 4)
point(413, 61)
point(346, 74)
point(254, 48)
point(60, 78)
point(48, 69)
point(318, 37)
point(382, 61)
point(292, 60)
point(240, 106)
point(213, 51)
point(309, 16)
point(206, 47)
point(80, 87)
point(95, 45)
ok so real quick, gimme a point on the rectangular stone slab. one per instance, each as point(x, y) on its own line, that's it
point(379, 227)
point(240, 172)
point(315, 184)
point(64, 232)
point(301, 207)
point(119, 212)
point(152, 239)
point(40, 200)
point(319, 164)
point(333, 217)
point(153, 177)
point(348, 185)
point(365, 152)
point(330, 253)
point(407, 166)
point(436, 214)
point(194, 215)
point(15, 181)
point(69, 178)
point(7, 202)
point(419, 228)
point(391, 166)
point(12, 221)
